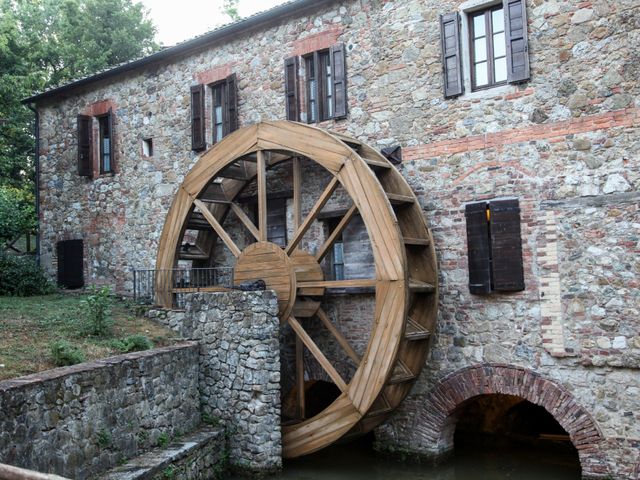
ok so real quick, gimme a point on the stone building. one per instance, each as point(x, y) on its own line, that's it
point(484, 110)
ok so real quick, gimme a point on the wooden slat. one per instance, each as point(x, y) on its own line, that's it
point(297, 194)
point(262, 197)
point(398, 199)
point(224, 236)
point(415, 331)
point(320, 203)
point(9, 472)
point(343, 342)
point(318, 355)
point(199, 289)
point(380, 407)
point(417, 242)
point(300, 378)
point(305, 308)
point(245, 220)
point(355, 283)
point(326, 246)
point(352, 142)
point(401, 374)
point(376, 163)
point(424, 287)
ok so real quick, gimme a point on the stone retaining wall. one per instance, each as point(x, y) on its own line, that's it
point(239, 369)
point(81, 420)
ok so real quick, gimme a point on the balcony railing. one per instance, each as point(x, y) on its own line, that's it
point(167, 287)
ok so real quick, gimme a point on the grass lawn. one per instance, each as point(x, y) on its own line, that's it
point(29, 325)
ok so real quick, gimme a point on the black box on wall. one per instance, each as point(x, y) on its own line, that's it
point(70, 263)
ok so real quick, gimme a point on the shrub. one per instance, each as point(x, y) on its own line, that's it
point(20, 276)
point(64, 353)
point(132, 343)
point(97, 305)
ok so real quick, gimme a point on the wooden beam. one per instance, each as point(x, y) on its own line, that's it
point(326, 246)
point(324, 318)
point(297, 194)
point(300, 377)
point(262, 196)
point(245, 220)
point(320, 203)
point(224, 236)
point(317, 353)
point(356, 283)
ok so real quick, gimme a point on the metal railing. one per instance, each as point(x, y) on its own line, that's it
point(167, 287)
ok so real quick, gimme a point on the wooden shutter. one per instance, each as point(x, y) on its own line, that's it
point(198, 140)
point(339, 79)
point(112, 145)
point(478, 251)
point(515, 19)
point(85, 144)
point(231, 104)
point(291, 88)
point(506, 246)
point(451, 56)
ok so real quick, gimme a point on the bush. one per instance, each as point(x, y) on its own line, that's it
point(21, 277)
point(64, 353)
point(97, 306)
point(132, 343)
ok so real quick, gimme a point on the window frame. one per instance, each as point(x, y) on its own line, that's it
point(220, 87)
point(322, 108)
point(487, 12)
point(105, 122)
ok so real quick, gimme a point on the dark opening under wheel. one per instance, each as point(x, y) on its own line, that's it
point(405, 280)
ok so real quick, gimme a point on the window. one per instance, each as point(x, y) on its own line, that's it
point(494, 246)
point(491, 44)
point(336, 258)
point(224, 108)
point(325, 85)
point(94, 158)
point(147, 147)
point(276, 217)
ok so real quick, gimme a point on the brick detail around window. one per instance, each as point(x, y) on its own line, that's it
point(553, 132)
point(550, 294)
point(100, 108)
point(318, 41)
point(214, 74)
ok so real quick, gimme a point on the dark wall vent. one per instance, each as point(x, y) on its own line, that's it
point(70, 263)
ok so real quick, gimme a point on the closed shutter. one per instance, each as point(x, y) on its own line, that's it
point(231, 103)
point(339, 79)
point(515, 17)
point(198, 141)
point(478, 251)
point(85, 143)
point(112, 145)
point(70, 263)
point(291, 88)
point(506, 246)
point(451, 57)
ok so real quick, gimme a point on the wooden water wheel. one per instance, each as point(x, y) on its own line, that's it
point(404, 285)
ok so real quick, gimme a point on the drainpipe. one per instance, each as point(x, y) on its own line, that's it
point(36, 134)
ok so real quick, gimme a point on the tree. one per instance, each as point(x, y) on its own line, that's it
point(17, 214)
point(230, 8)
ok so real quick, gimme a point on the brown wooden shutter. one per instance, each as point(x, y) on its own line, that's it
point(478, 250)
point(451, 56)
point(231, 103)
point(506, 246)
point(198, 140)
point(291, 88)
point(339, 79)
point(85, 144)
point(515, 18)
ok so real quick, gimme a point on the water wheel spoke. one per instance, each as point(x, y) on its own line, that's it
point(326, 246)
point(354, 283)
point(300, 378)
point(224, 236)
point(245, 220)
point(320, 203)
point(317, 353)
point(342, 341)
point(262, 195)
point(297, 193)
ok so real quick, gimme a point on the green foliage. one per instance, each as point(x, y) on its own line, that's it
point(132, 343)
point(17, 213)
point(48, 42)
point(97, 308)
point(104, 439)
point(163, 440)
point(65, 353)
point(169, 472)
point(20, 276)
point(230, 8)
point(211, 420)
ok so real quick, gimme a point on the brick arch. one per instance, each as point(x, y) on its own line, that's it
point(436, 420)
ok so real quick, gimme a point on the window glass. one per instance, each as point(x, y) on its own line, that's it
point(500, 69)
point(499, 45)
point(218, 119)
point(482, 74)
point(105, 144)
point(497, 20)
point(479, 26)
point(480, 50)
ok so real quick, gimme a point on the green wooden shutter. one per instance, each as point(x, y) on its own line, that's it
point(198, 140)
point(451, 55)
point(292, 103)
point(478, 251)
point(85, 146)
point(515, 18)
point(506, 246)
point(339, 79)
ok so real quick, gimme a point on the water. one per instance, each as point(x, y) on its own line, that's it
point(357, 461)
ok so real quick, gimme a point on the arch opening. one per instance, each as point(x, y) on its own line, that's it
point(507, 431)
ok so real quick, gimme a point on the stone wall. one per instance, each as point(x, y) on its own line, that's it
point(565, 143)
point(239, 370)
point(81, 420)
